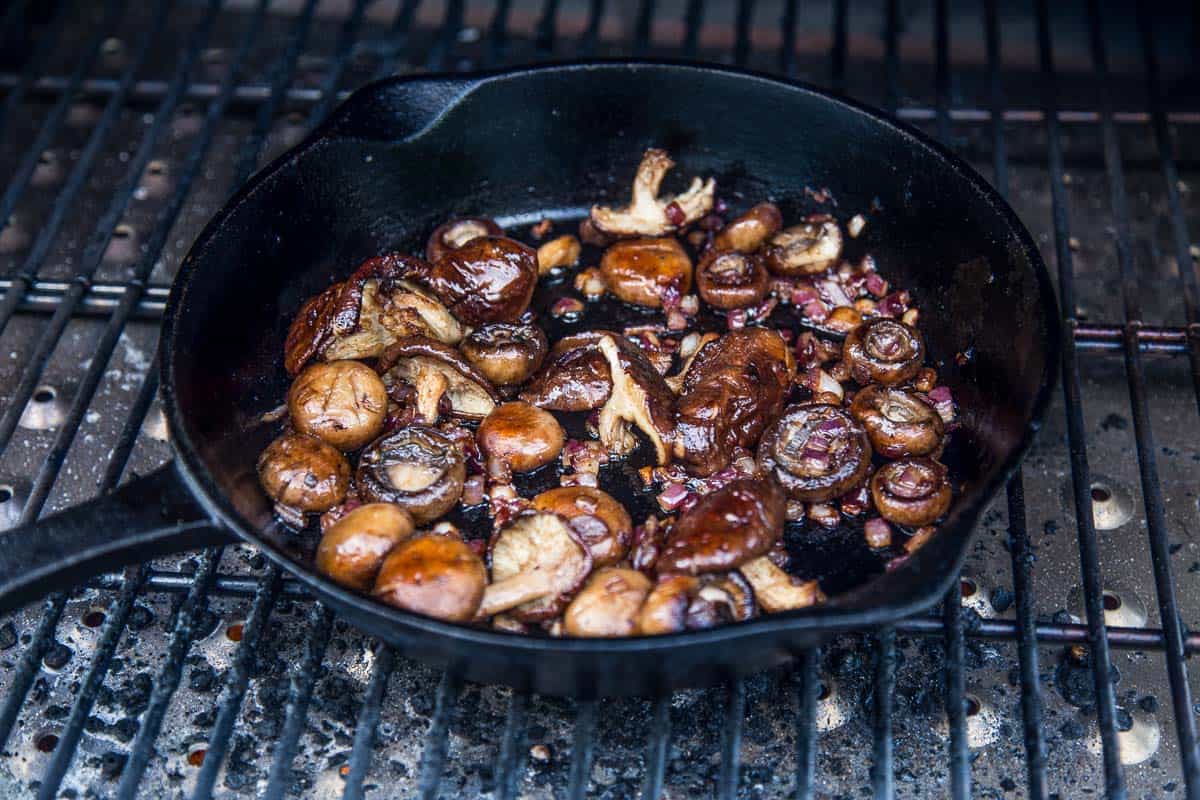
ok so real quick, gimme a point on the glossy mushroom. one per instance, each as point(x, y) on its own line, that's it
point(488, 279)
point(456, 233)
point(642, 271)
point(608, 604)
point(776, 590)
point(685, 602)
point(806, 249)
point(441, 378)
point(303, 474)
point(649, 215)
point(730, 279)
point(739, 521)
point(912, 492)
point(600, 522)
point(560, 252)
point(518, 437)
point(748, 233)
point(353, 549)
point(538, 563)
point(817, 451)
point(340, 402)
point(575, 376)
point(506, 354)
point(438, 576)
point(417, 468)
point(883, 350)
point(898, 422)
point(640, 398)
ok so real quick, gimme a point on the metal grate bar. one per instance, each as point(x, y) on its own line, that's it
point(591, 34)
point(731, 740)
point(582, 747)
point(510, 760)
point(433, 759)
point(302, 680)
point(398, 38)
point(741, 48)
point(1089, 555)
point(693, 19)
point(438, 58)
point(1164, 581)
point(368, 723)
point(657, 745)
point(498, 33)
point(30, 663)
point(329, 87)
point(787, 46)
point(882, 773)
point(806, 724)
point(546, 28)
point(46, 45)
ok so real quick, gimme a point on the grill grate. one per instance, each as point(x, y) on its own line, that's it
point(280, 68)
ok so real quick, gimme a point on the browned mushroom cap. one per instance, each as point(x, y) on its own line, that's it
point(817, 451)
point(913, 492)
point(683, 602)
point(488, 279)
point(639, 397)
point(884, 351)
point(303, 473)
point(899, 423)
point(417, 468)
point(353, 549)
point(519, 437)
point(363, 315)
point(778, 591)
point(437, 371)
point(575, 376)
point(647, 215)
point(438, 576)
point(457, 232)
point(341, 402)
point(538, 563)
point(608, 605)
point(505, 353)
point(640, 271)
point(737, 522)
point(732, 390)
point(748, 232)
point(805, 249)
point(602, 524)
point(731, 280)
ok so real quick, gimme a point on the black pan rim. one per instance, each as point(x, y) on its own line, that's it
point(827, 618)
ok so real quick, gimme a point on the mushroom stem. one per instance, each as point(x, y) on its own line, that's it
point(431, 385)
point(512, 592)
point(776, 590)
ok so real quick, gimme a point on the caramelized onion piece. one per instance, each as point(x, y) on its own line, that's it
point(506, 353)
point(456, 233)
point(303, 473)
point(734, 524)
point(817, 451)
point(488, 279)
point(340, 402)
point(417, 468)
point(438, 576)
point(601, 523)
point(913, 492)
point(884, 351)
point(353, 549)
point(898, 423)
point(731, 280)
point(747, 233)
point(641, 271)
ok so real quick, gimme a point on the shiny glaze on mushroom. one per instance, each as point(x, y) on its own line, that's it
point(353, 548)
point(602, 523)
point(641, 271)
point(488, 279)
point(685, 602)
point(340, 402)
point(806, 249)
point(913, 491)
point(417, 468)
point(575, 376)
point(817, 451)
point(506, 353)
point(731, 279)
point(456, 233)
point(519, 437)
point(883, 350)
point(440, 376)
point(303, 473)
point(608, 604)
point(748, 233)
point(737, 522)
point(898, 422)
point(438, 576)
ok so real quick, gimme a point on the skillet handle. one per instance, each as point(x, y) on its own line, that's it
point(395, 109)
point(150, 516)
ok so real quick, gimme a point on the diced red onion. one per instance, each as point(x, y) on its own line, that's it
point(943, 401)
point(672, 497)
point(802, 295)
point(834, 294)
point(894, 304)
point(473, 490)
point(833, 424)
point(736, 319)
point(671, 296)
point(878, 532)
point(566, 306)
point(675, 214)
point(816, 311)
point(876, 285)
point(764, 309)
point(676, 321)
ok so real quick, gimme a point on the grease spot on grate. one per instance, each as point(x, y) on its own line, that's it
point(13, 238)
point(1112, 503)
point(975, 596)
point(46, 742)
point(195, 756)
point(1123, 607)
point(156, 181)
point(833, 708)
point(13, 494)
point(1138, 736)
point(49, 169)
point(123, 247)
point(46, 409)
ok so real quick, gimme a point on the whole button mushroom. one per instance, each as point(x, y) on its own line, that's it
point(775, 590)
point(641, 271)
point(751, 230)
point(507, 354)
point(518, 437)
point(340, 402)
point(685, 602)
point(884, 351)
point(913, 492)
point(456, 233)
point(303, 474)
point(575, 376)
point(899, 423)
point(488, 279)
point(816, 451)
point(608, 605)
point(441, 378)
point(353, 549)
point(806, 249)
point(417, 468)
point(728, 280)
point(600, 522)
point(538, 564)
point(738, 522)
point(438, 576)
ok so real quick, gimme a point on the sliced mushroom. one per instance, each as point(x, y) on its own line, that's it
point(913, 492)
point(647, 214)
point(732, 390)
point(684, 602)
point(417, 468)
point(600, 522)
point(608, 605)
point(457, 232)
point(689, 357)
point(506, 353)
point(519, 437)
point(778, 591)
point(488, 279)
point(438, 576)
point(817, 451)
point(575, 376)
point(731, 279)
point(639, 397)
point(806, 249)
point(557, 253)
point(353, 549)
point(899, 423)
point(303, 474)
point(737, 522)
point(642, 271)
point(437, 371)
point(538, 563)
point(751, 230)
point(884, 351)
point(341, 402)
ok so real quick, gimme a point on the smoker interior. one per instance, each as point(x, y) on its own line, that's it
point(123, 129)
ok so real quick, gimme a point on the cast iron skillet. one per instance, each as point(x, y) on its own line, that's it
point(402, 155)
